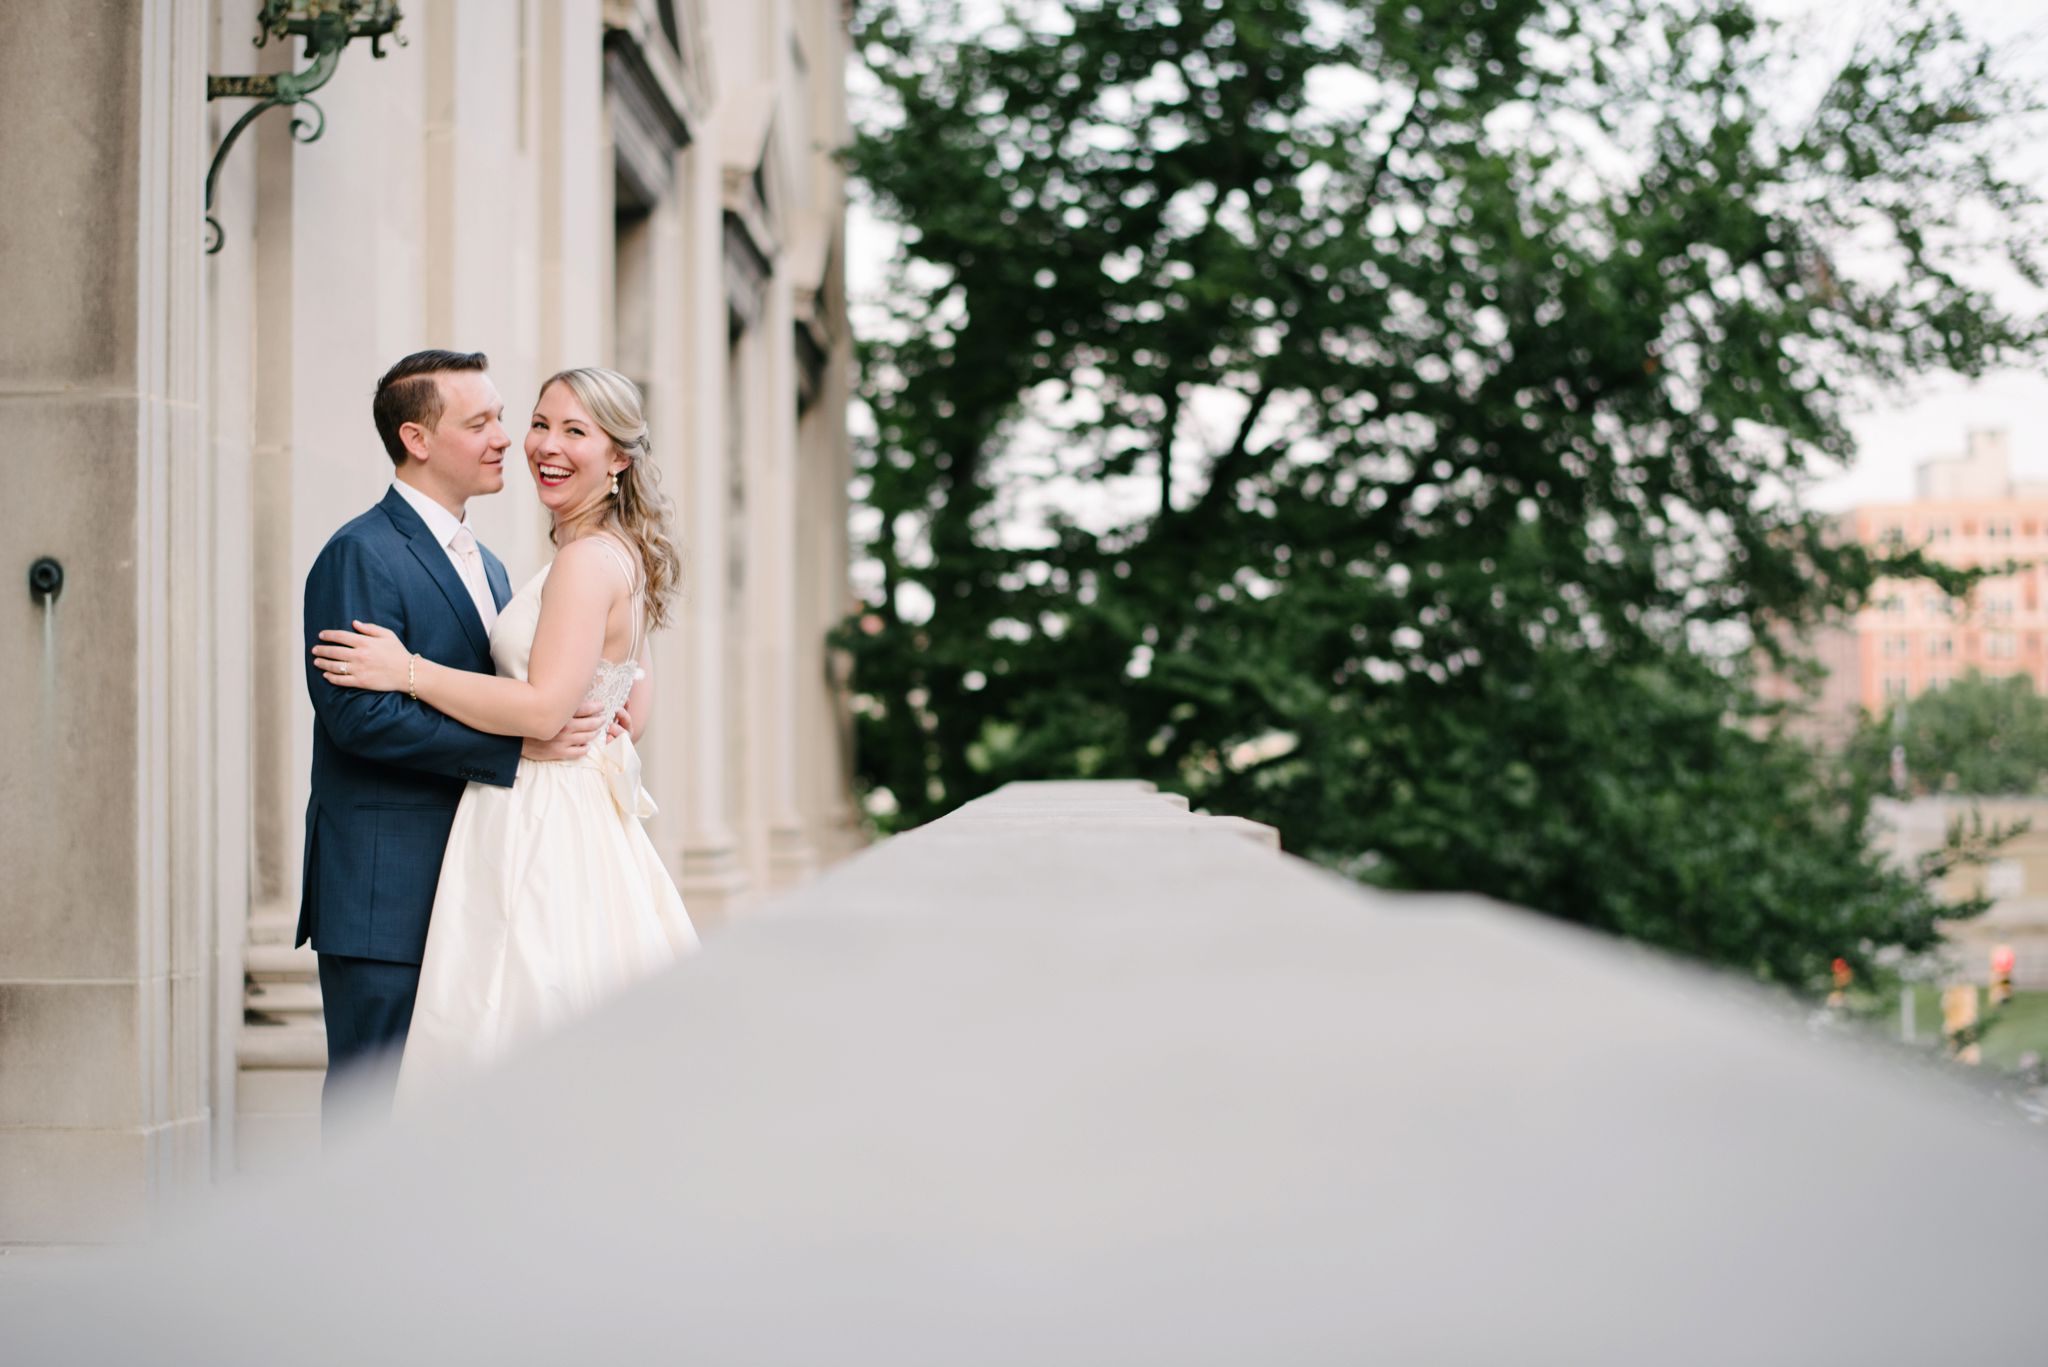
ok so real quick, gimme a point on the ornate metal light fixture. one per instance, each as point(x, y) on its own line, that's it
point(327, 26)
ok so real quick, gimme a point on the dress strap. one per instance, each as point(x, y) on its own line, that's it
point(625, 565)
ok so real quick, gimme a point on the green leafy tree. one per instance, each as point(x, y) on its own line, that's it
point(1374, 419)
point(1980, 735)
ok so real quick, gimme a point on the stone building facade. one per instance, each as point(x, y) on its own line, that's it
point(646, 184)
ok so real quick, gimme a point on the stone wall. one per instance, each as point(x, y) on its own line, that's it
point(125, 773)
point(554, 182)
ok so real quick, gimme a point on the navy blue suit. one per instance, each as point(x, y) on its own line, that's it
point(387, 774)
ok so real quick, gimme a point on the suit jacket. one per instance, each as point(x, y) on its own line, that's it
point(388, 771)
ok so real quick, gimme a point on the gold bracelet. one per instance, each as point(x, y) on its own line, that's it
point(412, 687)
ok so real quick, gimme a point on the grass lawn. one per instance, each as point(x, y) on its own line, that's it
point(2021, 1027)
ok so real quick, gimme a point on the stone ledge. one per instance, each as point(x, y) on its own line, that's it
point(282, 1046)
point(279, 1091)
point(1131, 1090)
point(270, 962)
point(283, 997)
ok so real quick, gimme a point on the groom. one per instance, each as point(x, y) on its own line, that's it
point(387, 770)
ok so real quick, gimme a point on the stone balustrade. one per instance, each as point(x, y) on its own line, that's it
point(1076, 1076)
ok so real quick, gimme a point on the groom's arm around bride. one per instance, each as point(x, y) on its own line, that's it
point(353, 581)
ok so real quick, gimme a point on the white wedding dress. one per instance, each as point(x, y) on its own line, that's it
point(551, 897)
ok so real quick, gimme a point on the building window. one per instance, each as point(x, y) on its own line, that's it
point(1894, 686)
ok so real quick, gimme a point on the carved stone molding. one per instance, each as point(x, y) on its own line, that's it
point(676, 30)
point(811, 359)
point(747, 268)
point(651, 118)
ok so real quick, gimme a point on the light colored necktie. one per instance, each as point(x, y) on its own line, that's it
point(472, 562)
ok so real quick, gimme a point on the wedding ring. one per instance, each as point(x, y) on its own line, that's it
point(341, 669)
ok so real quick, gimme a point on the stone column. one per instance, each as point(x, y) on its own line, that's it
point(825, 774)
point(713, 876)
point(666, 746)
point(825, 781)
point(109, 816)
point(281, 1052)
point(243, 281)
point(264, 382)
point(496, 73)
point(772, 525)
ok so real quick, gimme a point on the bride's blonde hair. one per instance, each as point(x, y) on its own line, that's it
point(640, 514)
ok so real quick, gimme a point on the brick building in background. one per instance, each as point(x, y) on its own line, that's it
point(1968, 511)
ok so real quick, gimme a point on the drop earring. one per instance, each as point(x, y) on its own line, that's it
point(615, 484)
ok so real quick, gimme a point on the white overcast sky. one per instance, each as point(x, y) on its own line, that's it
point(1899, 433)
point(1894, 433)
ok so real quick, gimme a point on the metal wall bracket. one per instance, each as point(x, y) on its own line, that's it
point(327, 26)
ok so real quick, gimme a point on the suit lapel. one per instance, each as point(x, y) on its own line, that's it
point(434, 559)
point(494, 574)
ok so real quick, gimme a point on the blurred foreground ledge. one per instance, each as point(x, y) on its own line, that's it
point(1075, 1076)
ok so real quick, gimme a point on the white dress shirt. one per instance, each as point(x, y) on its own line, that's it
point(448, 530)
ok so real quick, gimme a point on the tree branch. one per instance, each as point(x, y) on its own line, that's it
point(1230, 466)
point(1167, 426)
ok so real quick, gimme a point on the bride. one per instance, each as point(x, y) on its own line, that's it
point(551, 896)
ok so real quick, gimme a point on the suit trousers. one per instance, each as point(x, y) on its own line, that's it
point(367, 1004)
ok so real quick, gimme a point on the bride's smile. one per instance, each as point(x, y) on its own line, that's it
point(571, 458)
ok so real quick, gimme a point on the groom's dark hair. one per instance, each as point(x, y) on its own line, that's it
point(410, 393)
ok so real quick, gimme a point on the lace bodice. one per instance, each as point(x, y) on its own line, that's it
point(512, 645)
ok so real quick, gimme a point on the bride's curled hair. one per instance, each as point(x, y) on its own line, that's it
point(641, 515)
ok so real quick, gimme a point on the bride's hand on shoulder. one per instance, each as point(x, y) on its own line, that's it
point(369, 657)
